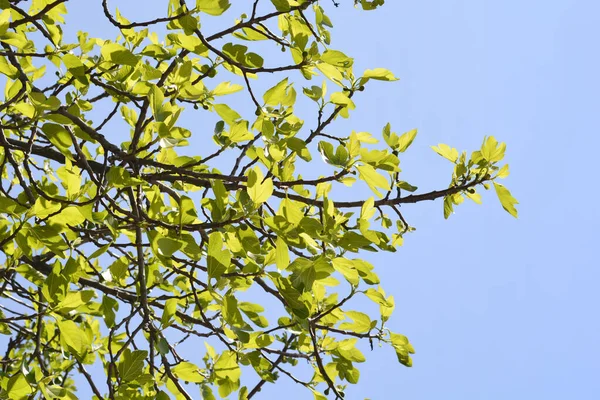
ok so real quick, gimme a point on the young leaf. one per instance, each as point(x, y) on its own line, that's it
point(213, 7)
point(406, 140)
point(259, 189)
point(373, 178)
point(188, 372)
point(381, 74)
point(218, 258)
point(446, 151)
point(168, 312)
point(506, 199)
point(361, 322)
point(132, 365)
point(17, 387)
point(282, 256)
point(75, 338)
point(118, 54)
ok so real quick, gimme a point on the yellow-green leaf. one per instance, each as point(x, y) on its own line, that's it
point(503, 172)
point(213, 7)
point(118, 54)
point(17, 387)
point(361, 322)
point(74, 65)
point(226, 366)
point(506, 199)
point(168, 312)
point(446, 151)
point(218, 258)
point(188, 372)
point(132, 364)
point(282, 256)
point(74, 337)
point(259, 189)
point(336, 58)
point(405, 140)
point(240, 133)
point(373, 178)
point(224, 88)
point(380, 74)
point(341, 99)
point(4, 21)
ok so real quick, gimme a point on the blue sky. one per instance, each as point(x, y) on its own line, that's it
point(496, 308)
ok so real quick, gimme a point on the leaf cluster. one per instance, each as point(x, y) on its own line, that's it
point(119, 248)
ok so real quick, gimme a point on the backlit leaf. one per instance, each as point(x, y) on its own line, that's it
point(259, 189)
point(506, 199)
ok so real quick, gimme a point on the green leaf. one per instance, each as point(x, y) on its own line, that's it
point(156, 98)
point(259, 189)
point(59, 137)
point(231, 312)
point(476, 197)
point(168, 312)
point(224, 88)
point(361, 322)
point(331, 72)
point(207, 393)
point(75, 299)
point(239, 132)
point(448, 207)
point(336, 58)
point(281, 5)
point(218, 259)
point(368, 5)
point(252, 311)
point(74, 337)
point(43, 208)
point(188, 372)
point(405, 140)
point(4, 20)
point(118, 54)
point(292, 297)
point(213, 7)
point(227, 113)
point(503, 172)
point(346, 268)
point(132, 364)
point(167, 246)
point(380, 74)
point(74, 65)
point(338, 158)
point(491, 150)
point(17, 387)
point(506, 199)
point(226, 366)
point(403, 348)
point(373, 178)
point(446, 151)
point(342, 99)
point(347, 350)
point(53, 391)
point(108, 307)
point(189, 24)
point(282, 256)
point(8, 69)
point(282, 93)
point(315, 92)
point(187, 211)
point(377, 297)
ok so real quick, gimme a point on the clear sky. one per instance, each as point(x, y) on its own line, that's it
point(496, 308)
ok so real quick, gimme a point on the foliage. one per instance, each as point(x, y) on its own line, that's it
point(118, 248)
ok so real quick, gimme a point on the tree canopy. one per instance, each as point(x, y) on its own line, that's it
point(121, 245)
